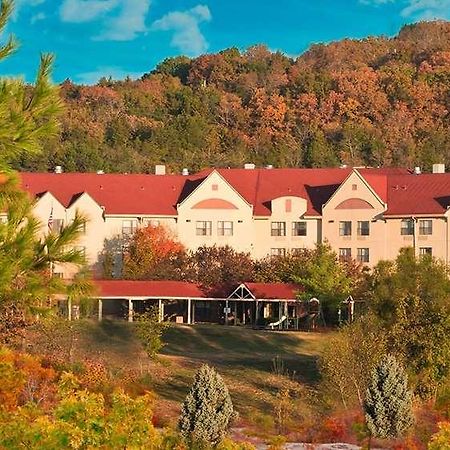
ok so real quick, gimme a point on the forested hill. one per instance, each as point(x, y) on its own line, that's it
point(376, 101)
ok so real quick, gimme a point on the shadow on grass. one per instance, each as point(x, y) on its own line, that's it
point(230, 347)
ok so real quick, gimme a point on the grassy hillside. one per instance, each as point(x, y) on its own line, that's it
point(257, 367)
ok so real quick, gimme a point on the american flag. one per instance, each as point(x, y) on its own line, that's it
point(50, 220)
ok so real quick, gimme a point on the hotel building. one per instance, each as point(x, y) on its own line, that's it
point(364, 213)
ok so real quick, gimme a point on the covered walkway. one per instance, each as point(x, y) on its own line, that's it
point(255, 304)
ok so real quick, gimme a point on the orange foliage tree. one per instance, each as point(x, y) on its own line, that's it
point(153, 253)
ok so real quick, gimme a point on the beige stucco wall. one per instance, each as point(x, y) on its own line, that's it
point(216, 188)
point(331, 218)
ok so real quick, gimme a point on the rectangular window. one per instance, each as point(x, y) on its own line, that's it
point(203, 228)
point(57, 275)
point(278, 252)
point(345, 253)
point(407, 227)
point(363, 228)
point(297, 251)
point(278, 229)
point(129, 227)
point(298, 228)
point(425, 251)
point(345, 228)
point(363, 255)
point(425, 227)
point(151, 223)
point(224, 228)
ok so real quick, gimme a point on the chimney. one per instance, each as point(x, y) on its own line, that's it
point(438, 168)
point(160, 169)
point(100, 172)
point(269, 166)
point(58, 169)
point(417, 171)
point(185, 172)
point(249, 166)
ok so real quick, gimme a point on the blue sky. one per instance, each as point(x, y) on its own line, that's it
point(94, 38)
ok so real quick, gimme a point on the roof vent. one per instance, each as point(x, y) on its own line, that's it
point(249, 166)
point(100, 172)
point(58, 169)
point(185, 172)
point(160, 169)
point(269, 166)
point(438, 168)
point(417, 170)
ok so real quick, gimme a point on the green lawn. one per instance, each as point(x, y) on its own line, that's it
point(244, 357)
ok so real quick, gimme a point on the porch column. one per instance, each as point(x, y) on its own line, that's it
point(235, 312)
point(226, 312)
point(161, 310)
point(256, 312)
point(100, 310)
point(189, 311)
point(130, 310)
point(69, 308)
point(193, 312)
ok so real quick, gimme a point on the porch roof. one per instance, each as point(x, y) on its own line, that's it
point(164, 289)
point(148, 289)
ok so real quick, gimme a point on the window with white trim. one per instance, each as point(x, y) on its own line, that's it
point(363, 255)
point(345, 254)
point(278, 229)
point(345, 228)
point(363, 228)
point(407, 227)
point(151, 223)
point(277, 252)
point(129, 226)
point(224, 228)
point(203, 228)
point(425, 227)
point(425, 251)
point(298, 228)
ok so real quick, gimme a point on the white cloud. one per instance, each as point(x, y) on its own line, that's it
point(116, 73)
point(37, 17)
point(129, 22)
point(19, 4)
point(121, 20)
point(418, 9)
point(187, 36)
point(78, 11)
point(427, 9)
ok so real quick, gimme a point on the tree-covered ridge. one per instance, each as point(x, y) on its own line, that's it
point(376, 101)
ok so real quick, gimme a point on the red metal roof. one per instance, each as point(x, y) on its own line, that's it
point(159, 194)
point(119, 194)
point(418, 194)
point(149, 289)
point(183, 289)
point(274, 291)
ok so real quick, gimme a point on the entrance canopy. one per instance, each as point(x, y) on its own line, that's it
point(265, 291)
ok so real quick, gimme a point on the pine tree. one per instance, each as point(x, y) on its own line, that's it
point(388, 404)
point(28, 114)
point(207, 410)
